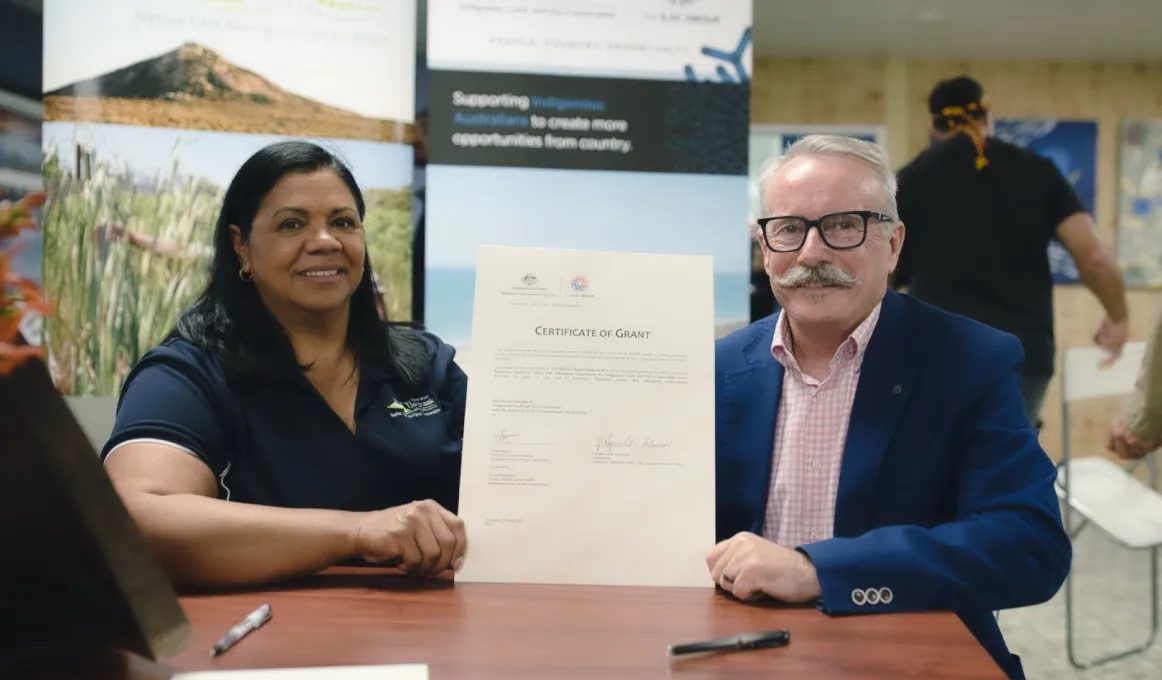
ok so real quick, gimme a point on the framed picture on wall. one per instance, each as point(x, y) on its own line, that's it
point(1072, 146)
point(1140, 202)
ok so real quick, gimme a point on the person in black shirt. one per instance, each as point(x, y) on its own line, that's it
point(980, 214)
point(284, 427)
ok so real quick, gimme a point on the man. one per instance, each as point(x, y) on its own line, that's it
point(981, 214)
point(873, 453)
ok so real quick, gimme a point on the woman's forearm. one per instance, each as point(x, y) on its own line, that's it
point(209, 542)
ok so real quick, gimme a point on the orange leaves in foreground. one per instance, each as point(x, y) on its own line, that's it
point(16, 216)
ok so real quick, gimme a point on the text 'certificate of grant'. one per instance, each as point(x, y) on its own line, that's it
point(589, 440)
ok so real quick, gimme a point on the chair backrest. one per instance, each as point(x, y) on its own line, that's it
point(1084, 377)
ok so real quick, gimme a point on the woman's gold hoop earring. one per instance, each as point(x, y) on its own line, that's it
point(245, 275)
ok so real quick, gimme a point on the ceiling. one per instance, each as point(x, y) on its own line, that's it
point(951, 29)
point(942, 29)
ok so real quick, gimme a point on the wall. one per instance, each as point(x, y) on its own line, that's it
point(893, 92)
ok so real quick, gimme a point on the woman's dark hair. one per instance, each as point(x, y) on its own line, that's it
point(231, 321)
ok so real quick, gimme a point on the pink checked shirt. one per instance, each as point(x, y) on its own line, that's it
point(809, 438)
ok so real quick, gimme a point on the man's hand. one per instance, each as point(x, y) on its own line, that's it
point(1111, 336)
point(1128, 445)
point(749, 567)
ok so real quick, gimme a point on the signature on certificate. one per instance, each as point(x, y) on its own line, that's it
point(503, 436)
point(609, 443)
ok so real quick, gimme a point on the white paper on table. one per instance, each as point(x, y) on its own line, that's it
point(589, 452)
point(393, 672)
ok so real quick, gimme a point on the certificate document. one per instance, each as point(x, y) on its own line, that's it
point(589, 439)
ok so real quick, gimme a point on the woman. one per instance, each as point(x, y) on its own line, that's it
point(283, 427)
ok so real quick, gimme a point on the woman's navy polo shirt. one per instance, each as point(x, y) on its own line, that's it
point(278, 443)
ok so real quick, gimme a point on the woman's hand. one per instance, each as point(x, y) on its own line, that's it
point(425, 537)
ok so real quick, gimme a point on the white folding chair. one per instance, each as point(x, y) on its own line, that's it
point(1103, 493)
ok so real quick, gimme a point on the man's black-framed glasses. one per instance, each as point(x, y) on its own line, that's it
point(840, 231)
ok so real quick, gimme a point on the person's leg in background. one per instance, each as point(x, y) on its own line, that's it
point(1034, 388)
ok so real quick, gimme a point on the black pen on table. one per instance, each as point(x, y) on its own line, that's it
point(252, 622)
point(764, 640)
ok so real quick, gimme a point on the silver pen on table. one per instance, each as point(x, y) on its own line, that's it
point(254, 621)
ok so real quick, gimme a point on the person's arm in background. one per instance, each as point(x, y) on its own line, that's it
point(1100, 274)
point(1074, 228)
point(1138, 431)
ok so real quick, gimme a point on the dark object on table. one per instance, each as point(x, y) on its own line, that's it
point(77, 578)
point(746, 641)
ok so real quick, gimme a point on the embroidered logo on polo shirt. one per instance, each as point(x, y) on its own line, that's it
point(414, 408)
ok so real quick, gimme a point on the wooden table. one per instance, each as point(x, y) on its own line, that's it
point(357, 617)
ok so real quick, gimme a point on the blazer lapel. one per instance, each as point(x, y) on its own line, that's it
point(885, 383)
point(753, 392)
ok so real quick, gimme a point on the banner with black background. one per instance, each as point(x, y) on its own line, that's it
point(546, 121)
point(572, 125)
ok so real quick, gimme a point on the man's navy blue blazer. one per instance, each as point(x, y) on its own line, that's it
point(945, 496)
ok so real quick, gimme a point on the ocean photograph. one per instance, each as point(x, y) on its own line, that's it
point(590, 210)
point(1140, 203)
point(450, 291)
point(128, 234)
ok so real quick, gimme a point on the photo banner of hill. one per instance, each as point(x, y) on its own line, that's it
point(612, 126)
point(149, 110)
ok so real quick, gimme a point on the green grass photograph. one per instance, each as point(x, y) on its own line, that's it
point(128, 235)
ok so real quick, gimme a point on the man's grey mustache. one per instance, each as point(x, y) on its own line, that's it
point(823, 275)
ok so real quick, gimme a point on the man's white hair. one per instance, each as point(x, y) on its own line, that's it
point(836, 146)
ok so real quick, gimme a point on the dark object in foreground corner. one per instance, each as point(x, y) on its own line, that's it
point(76, 577)
point(771, 638)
